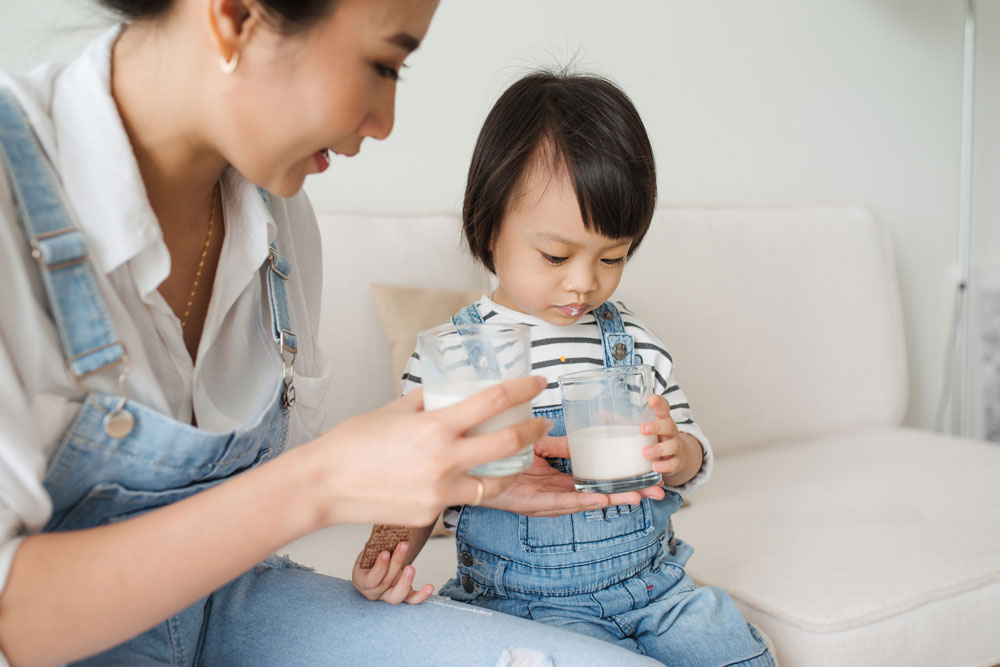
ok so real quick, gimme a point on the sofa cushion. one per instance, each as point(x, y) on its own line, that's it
point(870, 549)
point(785, 323)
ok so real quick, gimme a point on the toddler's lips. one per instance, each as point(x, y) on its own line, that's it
point(573, 309)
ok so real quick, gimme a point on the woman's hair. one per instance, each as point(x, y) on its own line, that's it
point(290, 14)
point(583, 123)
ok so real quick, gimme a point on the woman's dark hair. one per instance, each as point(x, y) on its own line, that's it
point(290, 14)
point(589, 126)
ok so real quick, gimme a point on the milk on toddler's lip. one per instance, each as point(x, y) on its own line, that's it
point(609, 452)
point(447, 395)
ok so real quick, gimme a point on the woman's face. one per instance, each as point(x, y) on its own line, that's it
point(294, 97)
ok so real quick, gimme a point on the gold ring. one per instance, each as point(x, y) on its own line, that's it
point(479, 491)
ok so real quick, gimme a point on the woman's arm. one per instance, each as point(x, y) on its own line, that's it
point(72, 594)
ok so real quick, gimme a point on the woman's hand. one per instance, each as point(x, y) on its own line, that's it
point(389, 579)
point(401, 465)
point(541, 490)
point(677, 456)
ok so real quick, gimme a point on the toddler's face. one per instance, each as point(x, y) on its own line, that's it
point(549, 265)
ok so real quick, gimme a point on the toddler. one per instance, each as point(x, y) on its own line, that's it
point(560, 194)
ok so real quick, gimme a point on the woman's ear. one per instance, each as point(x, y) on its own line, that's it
point(231, 24)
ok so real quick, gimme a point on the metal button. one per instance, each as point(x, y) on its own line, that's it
point(465, 558)
point(118, 424)
point(608, 315)
point(620, 351)
point(467, 583)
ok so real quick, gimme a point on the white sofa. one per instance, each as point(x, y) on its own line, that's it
point(849, 539)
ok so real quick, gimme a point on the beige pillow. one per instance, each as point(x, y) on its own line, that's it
point(405, 311)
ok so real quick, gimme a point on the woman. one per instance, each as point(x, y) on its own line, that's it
point(157, 353)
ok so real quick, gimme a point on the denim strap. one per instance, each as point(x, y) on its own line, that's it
point(468, 315)
point(278, 270)
point(619, 347)
point(88, 338)
point(477, 353)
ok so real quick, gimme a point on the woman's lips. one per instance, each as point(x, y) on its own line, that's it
point(322, 160)
point(573, 309)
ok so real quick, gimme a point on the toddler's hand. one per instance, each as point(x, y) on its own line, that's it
point(667, 454)
point(387, 580)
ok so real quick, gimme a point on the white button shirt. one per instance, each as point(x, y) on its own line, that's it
point(237, 367)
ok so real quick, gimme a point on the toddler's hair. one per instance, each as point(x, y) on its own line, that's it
point(583, 123)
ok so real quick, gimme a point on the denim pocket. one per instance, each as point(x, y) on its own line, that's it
point(586, 531)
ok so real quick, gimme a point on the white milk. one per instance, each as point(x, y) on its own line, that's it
point(609, 452)
point(444, 396)
point(436, 398)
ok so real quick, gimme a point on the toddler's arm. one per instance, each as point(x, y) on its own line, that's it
point(390, 577)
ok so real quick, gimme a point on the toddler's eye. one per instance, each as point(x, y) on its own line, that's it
point(614, 262)
point(554, 260)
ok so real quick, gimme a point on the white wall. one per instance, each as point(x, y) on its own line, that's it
point(746, 101)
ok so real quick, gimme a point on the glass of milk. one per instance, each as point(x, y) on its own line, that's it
point(603, 409)
point(458, 361)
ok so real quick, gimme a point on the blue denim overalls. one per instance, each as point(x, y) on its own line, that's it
point(615, 573)
point(119, 459)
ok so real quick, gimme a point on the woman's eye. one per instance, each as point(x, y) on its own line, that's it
point(554, 260)
point(387, 72)
point(614, 262)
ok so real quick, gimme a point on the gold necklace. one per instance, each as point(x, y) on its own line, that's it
point(204, 253)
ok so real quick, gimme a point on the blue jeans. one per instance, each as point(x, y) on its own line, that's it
point(282, 614)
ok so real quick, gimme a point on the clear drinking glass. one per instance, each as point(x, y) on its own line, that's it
point(603, 409)
point(458, 361)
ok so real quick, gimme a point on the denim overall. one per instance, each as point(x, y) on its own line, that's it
point(119, 459)
point(615, 573)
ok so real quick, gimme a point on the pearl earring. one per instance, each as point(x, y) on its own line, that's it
point(229, 66)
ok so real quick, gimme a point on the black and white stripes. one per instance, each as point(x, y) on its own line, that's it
point(557, 350)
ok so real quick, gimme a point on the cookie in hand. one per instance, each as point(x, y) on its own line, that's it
point(383, 538)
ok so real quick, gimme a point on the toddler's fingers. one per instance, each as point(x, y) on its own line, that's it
point(374, 576)
point(668, 445)
point(662, 426)
point(658, 450)
point(397, 560)
point(667, 466)
point(416, 597)
point(402, 587)
point(660, 405)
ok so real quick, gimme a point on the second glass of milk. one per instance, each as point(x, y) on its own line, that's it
point(460, 360)
point(603, 409)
